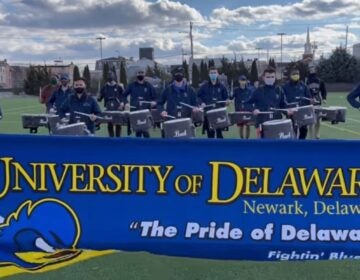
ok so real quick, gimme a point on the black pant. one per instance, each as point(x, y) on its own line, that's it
point(144, 134)
point(301, 132)
point(111, 130)
point(210, 131)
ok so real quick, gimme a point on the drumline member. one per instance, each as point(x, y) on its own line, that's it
point(112, 94)
point(296, 91)
point(176, 93)
point(59, 96)
point(81, 101)
point(354, 97)
point(142, 96)
point(46, 92)
point(266, 97)
point(318, 92)
point(212, 95)
point(242, 94)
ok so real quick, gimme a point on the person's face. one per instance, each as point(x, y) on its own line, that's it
point(140, 76)
point(295, 76)
point(79, 86)
point(64, 82)
point(269, 78)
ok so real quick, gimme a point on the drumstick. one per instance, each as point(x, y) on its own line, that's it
point(282, 110)
point(169, 116)
point(210, 105)
point(222, 101)
point(88, 115)
point(265, 113)
point(187, 105)
point(145, 102)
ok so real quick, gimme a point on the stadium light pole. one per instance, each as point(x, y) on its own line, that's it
point(101, 39)
point(281, 34)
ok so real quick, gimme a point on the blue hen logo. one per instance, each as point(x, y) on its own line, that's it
point(48, 226)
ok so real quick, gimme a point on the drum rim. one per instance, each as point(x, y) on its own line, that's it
point(71, 125)
point(178, 120)
point(139, 111)
point(275, 122)
point(217, 110)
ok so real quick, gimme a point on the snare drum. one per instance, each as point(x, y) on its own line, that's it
point(75, 129)
point(340, 113)
point(140, 120)
point(218, 118)
point(278, 129)
point(305, 115)
point(34, 120)
point(115, 117)
point(247, 118)
point(197, 117)
point(179, 128)
point(53, 121)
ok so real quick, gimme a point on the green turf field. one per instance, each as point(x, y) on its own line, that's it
point(14, 107)
point(146, 266)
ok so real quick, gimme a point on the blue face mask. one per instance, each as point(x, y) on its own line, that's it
point(213, 77)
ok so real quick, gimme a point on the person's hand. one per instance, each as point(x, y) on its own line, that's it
point(164, 114)
point(121, 106)
point(52, 111)
point(196, 109)
point(203, 105)
point(290, 112)
point(92, 117)
point(153, 103)
point(256, 112)
point(127, 107)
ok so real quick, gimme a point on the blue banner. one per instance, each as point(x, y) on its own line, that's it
point(223, 199)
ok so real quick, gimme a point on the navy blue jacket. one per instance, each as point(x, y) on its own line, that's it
point(317, 87)
point(58, 97)
point(86, 104)
point(111, 94)
point(354, 97)
point(266, 97)
point(140, 92)
point(173, 96)
point(240, 96)
point(210, 94)
point(295, 91)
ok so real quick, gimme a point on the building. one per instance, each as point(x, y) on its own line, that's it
point(142, 64)
point(59, 68)
point(147, 53)
point(5, 74)
point(112, 62)
point(356, 50)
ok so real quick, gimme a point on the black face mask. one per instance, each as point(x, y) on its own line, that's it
point(79, 90)
point(110, 80)
point(140, 77)
point(179, 78)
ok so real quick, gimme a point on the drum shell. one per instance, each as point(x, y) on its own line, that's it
point(218, 118)
point(278, 129)
point(115, 117)
point(179, 128)
point(304, 115)
point(340, 113)
point(156, 116)
point(140, 120)
point(53, 121)
point(34, 120)
point(75, 129)
point(242, 118)
point(198, 117)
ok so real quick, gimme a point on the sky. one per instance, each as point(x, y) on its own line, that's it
point(41, 31)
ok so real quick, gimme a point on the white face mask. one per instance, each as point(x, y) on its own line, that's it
point(269, 81)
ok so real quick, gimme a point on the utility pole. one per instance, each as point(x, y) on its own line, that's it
point(258, 49)
point(191, 61)
point(281, 34)
point(101, 39)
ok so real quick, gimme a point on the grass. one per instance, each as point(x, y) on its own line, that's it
point(146, 266)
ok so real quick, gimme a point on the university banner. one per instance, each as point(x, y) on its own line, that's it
point(64, 199)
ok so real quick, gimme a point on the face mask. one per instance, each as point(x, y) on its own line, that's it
point(140, 77)
point(295, 77)
point(213, 77)
point(269, 81)
point(179, 77)
point(79, 90)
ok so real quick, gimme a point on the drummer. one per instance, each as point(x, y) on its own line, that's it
point(60, 94)
point(354, 97)
point(266, 97)
point(242, 94)
point(142, 96)
point(318, 92)
point(81, 102)
point(296, 91)
point(213, 95)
